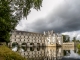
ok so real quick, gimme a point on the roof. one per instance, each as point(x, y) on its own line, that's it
point(27, 32)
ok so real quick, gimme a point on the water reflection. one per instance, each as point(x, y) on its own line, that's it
point(53, 53)
point(48, 53)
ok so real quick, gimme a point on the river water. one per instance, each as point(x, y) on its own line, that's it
point(48, 53)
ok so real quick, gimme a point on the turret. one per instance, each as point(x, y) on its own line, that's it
point(44, 33)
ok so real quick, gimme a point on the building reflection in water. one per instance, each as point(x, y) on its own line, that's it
point(44, 53)
point(53, 53)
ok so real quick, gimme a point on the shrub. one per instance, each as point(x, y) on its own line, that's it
point(7, 54)
point(78, 46)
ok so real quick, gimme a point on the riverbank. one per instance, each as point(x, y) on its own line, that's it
point(8, 54)
point(78, 46)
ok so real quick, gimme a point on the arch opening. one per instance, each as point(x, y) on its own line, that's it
point(15, 44)
point(24, 46)
point(31, 44)
point(38, 44)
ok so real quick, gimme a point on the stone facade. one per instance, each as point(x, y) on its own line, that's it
point(53, 39)
point(36, 39)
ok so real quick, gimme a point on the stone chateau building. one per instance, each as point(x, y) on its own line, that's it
point(31, 39)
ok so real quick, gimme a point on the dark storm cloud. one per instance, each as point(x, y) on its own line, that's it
point(65, 17)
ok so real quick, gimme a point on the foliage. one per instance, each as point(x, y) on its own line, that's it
point(10, 13)
point(7, 54)
point(7, 23)
point(78, 46)
point(15, 44)
point(65, 52)
point(78, 52)
point(74, 39)
point(23, 7)
point(66, 39)
point(77, 40)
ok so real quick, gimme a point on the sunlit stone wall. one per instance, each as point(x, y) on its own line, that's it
point(53, 38)
point(30, 38)
point(36, 39)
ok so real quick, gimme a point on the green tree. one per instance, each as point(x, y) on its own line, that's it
point(23, 7)
point(66, 38)
point(77, 41)
point(10, 13)
point(74, 39)
point(7, 23)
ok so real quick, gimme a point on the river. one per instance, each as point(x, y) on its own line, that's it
point(48, 53)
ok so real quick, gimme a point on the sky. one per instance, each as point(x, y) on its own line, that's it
point(61, 16)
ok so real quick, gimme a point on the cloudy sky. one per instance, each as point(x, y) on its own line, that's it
point(61, 16)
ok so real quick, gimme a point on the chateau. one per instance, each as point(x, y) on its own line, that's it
point(30, 39)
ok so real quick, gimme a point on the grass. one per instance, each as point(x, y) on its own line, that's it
point(8, 54)
point(78, 46)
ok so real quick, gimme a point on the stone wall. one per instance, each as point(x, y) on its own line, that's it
point(28, 38)
point(36, 39)
point(70, 44)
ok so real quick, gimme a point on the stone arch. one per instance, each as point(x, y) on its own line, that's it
point(15, 44)
point(38, 44)
point(31, 48)
point(31, 44)
point(24, 46)
point(38, 48)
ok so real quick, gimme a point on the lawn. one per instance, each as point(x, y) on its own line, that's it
point(8, 54)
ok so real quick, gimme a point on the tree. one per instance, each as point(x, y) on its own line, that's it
point(66, 38)
point(10, 13)
point(77, 41)
point(7, 23)
point(22, 7)
point(74, 39)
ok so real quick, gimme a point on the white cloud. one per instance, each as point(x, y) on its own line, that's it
point(48, 7)
point(73, 34)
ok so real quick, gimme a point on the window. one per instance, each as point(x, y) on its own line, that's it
point(28, 36)
point(28, 40)
point(24, 36)
point(15, 35)
point(20, 39)
point(15, 39)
